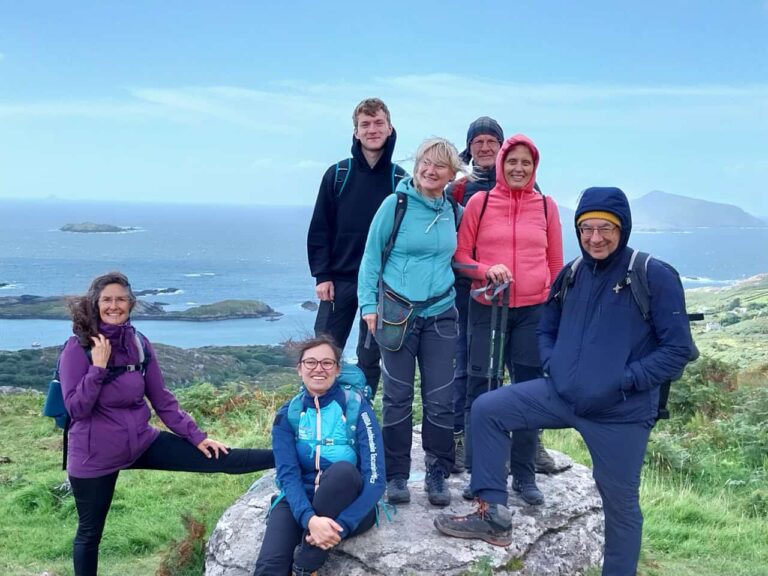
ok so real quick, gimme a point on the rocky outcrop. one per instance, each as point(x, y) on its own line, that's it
point(310, 305)
point(562, 537)
point(92, 227)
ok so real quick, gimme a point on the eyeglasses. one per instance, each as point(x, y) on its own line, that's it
point(602, 231)
point(116, 300)
point(325, 363)
point(480, 142)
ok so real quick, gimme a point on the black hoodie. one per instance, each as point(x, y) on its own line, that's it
point(339, 225)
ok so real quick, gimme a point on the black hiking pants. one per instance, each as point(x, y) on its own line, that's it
point(285, 539)
point(93, 496)
point(336, 319)
point(521, 358)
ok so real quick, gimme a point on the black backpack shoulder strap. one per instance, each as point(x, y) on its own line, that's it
point(565, 280)
point(546, 208)
point(455, 207)
point(343, 169)
point(637, 278)
point(398, 173)
point(400, 206)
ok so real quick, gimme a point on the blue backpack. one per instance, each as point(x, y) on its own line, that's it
point(54, 406)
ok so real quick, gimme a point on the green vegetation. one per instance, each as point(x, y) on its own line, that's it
point(158, 520)
point(704, 492)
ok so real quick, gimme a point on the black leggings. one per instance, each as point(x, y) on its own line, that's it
point(93, 496)
point(284, 540)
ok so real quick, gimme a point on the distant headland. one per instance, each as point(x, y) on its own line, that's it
point(92, 227)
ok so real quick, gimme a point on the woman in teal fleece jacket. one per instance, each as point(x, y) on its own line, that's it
point(329, 487)
point(419, 270)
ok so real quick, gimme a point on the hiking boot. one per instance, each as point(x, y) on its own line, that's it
point(544, 463)
point(458, 444)
point(489, 522)
point(467, 493)
point(397, 491)
point(436, 487)
point(528, 491)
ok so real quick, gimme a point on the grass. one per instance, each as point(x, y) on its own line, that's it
point(704, 491)
point(150, 508)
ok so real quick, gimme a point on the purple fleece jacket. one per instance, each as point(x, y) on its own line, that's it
point(110, 422)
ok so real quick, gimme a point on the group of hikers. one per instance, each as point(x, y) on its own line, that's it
point(464, 276)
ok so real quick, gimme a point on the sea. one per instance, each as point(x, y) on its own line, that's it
point(209, 253)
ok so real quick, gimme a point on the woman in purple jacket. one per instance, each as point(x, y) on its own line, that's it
point(105, 377)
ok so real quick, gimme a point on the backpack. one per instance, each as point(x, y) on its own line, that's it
point(54, 406)
point(637, 280)
point(342, 175)
point(356, 390)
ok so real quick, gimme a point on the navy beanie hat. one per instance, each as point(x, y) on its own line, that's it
point(483, 125)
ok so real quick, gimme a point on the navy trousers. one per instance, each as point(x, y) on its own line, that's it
point(284, 541)
point(521, 357)
point(617, 451)
point(336, 318)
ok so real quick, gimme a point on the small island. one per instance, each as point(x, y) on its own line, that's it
point(92, 227)
point(30, 307)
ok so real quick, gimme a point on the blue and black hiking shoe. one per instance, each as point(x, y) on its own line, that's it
point(528, 491)
point(436, 487)
point(397, 491)
point(489, 522)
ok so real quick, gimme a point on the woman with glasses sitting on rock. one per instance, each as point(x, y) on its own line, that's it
point(330, 465)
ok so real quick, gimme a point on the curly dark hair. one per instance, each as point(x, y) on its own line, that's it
point(319, 340)
point(85, 309)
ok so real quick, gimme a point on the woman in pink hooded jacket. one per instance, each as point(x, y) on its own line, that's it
point(510, 235)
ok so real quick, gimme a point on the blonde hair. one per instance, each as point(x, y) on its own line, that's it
point(443, 152)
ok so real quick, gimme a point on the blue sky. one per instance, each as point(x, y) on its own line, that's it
point(249, 102)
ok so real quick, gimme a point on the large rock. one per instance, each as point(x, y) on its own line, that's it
point(562, 537)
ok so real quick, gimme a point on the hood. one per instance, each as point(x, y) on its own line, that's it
point(501, 183)
point(386, 157)
point(605, 199)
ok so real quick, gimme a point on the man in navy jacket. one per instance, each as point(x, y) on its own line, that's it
point(604, 364)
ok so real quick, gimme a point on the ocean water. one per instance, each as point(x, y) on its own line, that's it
point(213, 253)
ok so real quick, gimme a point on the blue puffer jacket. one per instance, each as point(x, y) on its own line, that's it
point(419, 267)
point(603, 358)
point(295, 460)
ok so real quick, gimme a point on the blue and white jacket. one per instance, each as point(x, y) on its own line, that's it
point(297, 462)
point(602, 357)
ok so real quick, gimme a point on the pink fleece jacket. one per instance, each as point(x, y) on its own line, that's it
point(513, 231)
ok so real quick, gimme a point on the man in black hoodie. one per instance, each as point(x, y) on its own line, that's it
point(350, 194)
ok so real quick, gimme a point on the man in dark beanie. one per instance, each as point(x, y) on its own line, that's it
point(484, 139)
point(604, 364)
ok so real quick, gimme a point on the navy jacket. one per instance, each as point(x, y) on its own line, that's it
point(339, 225)
point(297, 476)
point(602, 357)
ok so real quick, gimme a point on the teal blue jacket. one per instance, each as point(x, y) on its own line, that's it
point(419, 267)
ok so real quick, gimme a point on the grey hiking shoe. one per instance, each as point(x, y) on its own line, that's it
point(458, 444)
point(397, 491)
point(467, 493)
point(489, 522)
point(436, 487)
point(528, 491)
point(544, 463)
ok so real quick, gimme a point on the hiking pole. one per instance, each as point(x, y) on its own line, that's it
point(491, 292)
point(504, 303)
